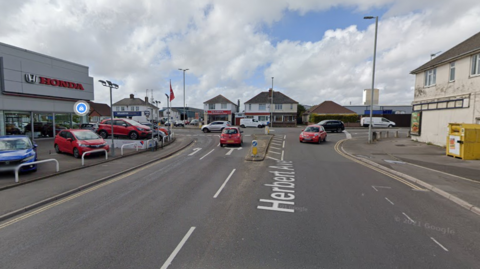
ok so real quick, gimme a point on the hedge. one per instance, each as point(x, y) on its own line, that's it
point(343, 117)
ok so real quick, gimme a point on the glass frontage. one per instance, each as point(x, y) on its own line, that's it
point(16, 122)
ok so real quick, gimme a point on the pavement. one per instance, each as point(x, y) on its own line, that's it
point(457, 180)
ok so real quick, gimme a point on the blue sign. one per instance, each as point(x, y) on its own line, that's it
point(146, 112)
point(127, 113)
point(254, 143)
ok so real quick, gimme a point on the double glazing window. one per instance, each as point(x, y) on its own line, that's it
point(475, 65)
point(223, 106)
point(452, 72)
point(211, 106)
point(262, 107)
point(278, 107)
point(430, 77)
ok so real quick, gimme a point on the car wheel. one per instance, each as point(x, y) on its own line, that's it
point(243, 126)
point(259, 126)
point(390, 126)
point(76, 153)
point(221, 145)
point(325, 139)
point(57, 149)
point(103, 134)
point(339, 130)
point(205, 130)
point(133, 135)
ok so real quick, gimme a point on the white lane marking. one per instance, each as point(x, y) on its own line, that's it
point(374, 188)
point(444, 248)
point(207, 154)
point(285, 137)
point(218, 145)
point(389, 201)
point(349, 136)
point(274, 152)
point(231, 150)
point(408, 217)
point(273, 158)
point(224, 183)
point(380, 187)
point(276, 143)
point(195, 150)
point(282, 154)
point(274, 148)
point(177, 249)
point(283, 144)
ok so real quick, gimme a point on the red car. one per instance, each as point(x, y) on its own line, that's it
point(78, 141)
point(313, 133)
point(124, 127)
point(231, 135)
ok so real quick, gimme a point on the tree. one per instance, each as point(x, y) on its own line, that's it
point(300, 110)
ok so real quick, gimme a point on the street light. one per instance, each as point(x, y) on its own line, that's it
point(156, 102)
point(183, 90)
point(168, 112)
point(271, 108)
point(373, 77)
point(109, 84)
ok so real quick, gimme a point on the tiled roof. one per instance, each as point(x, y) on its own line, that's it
point(330, 107)
point(219, 99)
point(466, 48)
point(101, 109)
point(133, 102)
point(278, 98)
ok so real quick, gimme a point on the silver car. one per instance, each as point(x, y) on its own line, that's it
point(216, 126)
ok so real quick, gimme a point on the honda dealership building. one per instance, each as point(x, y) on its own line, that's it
point(38, 92)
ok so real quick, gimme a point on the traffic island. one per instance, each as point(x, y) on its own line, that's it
point(263, 142)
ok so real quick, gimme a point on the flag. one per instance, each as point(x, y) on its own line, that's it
point(172, 96)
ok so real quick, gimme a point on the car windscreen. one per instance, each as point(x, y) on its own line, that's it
point(312, 129)
point(323, 122)
point(15, 144)
point(86, 135)
point(230, 131)
point(132, 122)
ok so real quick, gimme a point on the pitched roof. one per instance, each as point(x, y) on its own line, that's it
point(466, 48)
point(218, 100)
point(278, 98)
point(330, 107)
point(133, 102)
point(101, 109)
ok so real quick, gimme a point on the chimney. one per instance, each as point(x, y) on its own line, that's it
point(131, 96)
point(146, 99)
point(270, 92)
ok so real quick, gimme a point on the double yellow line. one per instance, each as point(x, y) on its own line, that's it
point(397, 178)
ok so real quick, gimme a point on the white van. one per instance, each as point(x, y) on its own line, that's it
point(244, 123)
point(377, 122)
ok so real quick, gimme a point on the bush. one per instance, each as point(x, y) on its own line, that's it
point(343, 117)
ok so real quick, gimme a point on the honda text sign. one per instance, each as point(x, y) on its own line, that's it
point(32, 79)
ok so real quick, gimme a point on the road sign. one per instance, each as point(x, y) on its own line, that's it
point(254, 143)
point(146, 112)
point(254, 148)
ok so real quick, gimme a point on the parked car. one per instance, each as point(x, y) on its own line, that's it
point(165, 130)
point(377, 122)
point(78, 141)
point(215, 126)
point(194, 122)
point(167, 123)
point(12, 129)
point(47, 129)
point(124, 127)
point(179, 124)
point(314, 134)
point(186, 122)
point(231, 135)
point(332, 125)
point(15, 150)
point(92, 126)
point(244, 123)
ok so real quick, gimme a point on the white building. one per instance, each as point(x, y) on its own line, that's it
point(447, 90)
point(135, 109)
point(219, 108)
point(284, 109)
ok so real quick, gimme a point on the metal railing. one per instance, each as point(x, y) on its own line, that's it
point(121, 148)
point(17, 169)
point(93, 151)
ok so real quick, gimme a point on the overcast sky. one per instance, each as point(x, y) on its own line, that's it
point(315, 50)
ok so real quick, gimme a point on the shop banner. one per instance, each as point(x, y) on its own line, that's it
point(127, 113)
point(416, 123)
point(219, 112)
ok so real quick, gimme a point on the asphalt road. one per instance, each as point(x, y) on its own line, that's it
point(305, 206)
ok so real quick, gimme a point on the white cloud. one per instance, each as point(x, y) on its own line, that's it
point(141, 44)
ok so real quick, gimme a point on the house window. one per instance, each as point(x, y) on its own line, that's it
point(475, 65)
point(122, 108)
point(278, 106)
point(250, 107)
point(262, 118)
point(288, 118)
point(211, 106)
point(291, 106)
point(137, 108)
point(277, 118)
point(132, 108)
point(430, 77)
point(452, 71)
point(224, 106)
point(117, 108)
point(262, 107)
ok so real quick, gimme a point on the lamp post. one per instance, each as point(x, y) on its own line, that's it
point(271, 108)
point(168, 112)
point(107, 83)
point(156, 102)
point(183, 90)
point(373, 77)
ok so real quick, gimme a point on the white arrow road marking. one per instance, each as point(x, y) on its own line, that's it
point(195, 150)
point(206, 154)
point(231, 150)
